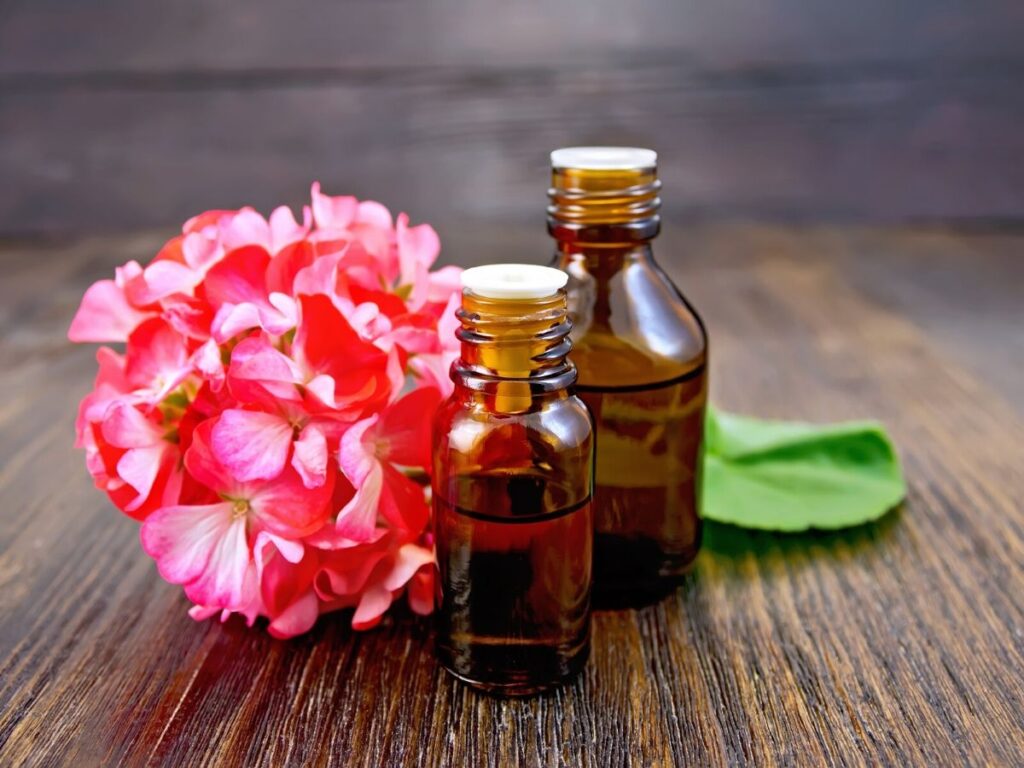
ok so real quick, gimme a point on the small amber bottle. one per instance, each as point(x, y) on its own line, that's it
point(513, 470)
point(641, 352)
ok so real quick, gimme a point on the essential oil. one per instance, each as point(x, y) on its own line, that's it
point(512, 490)
point(641, 352)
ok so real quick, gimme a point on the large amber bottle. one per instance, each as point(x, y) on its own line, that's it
point(641, 353)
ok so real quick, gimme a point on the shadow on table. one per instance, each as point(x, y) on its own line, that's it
point(735, 545)
point(733, 542)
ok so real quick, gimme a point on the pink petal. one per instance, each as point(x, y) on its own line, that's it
point(201, 251)
point(126, 427)
point(286, 507)
point(110, 386)
point(345, 573)
point(157, 359)
point(421, 591)
point(262, 375)
point(207, 360)
point(287, 263)
point(408, 560)
point(282, 581)
point(207, 220)
point(104, 315)
point(286, 316)
point(445, 283)
point(322, 387)
point(239, 278)
point(160, 280)
point(402, 501)
point(374, 214)
point(204, 465)
point(332, 212)
point(433, 371)
point(250, 605)
point(202, 612)
point(417, 250)
point(292, 551)
point(358, 519)
point(416, 340)
point(417, 245)
point(284, 229)
point(188, 316)
point(297, 618)
point(182, 538)
point(372, 605)
point(369, 321)
point(228, 580)
point(448, 323)
point(245, 228)
point(276, 315)
point(356, 455)
point(253, 445)
point(127, 272)
point(111, 369)
point(139, 468)
point(417, 281)
point(310, 457)
point(139, 492)
point(328, 538)
point(320, 276)
point(233, 319)
point(326, 342)
point(395, 372)
point(404, 428)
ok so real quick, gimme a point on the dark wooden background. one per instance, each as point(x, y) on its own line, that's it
point(844, 191)
point(119, 113)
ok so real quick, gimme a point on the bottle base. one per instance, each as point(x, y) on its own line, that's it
point(552, 669)
point(635, 572)
point(622, 597)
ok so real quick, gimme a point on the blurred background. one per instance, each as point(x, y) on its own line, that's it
point(119, 115)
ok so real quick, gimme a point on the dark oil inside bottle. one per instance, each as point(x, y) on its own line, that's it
point(647, 486)
point(514, 550)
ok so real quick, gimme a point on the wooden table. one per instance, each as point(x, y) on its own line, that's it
point(896, 643)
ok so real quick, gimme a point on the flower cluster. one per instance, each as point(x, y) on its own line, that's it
point(269, 414)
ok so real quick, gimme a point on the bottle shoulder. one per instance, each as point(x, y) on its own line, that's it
point(632, 326)
point(560, 423)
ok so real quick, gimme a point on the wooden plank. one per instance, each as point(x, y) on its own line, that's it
point(446, 147)
point(122, 114)
point(63, 36)
point(896, 643)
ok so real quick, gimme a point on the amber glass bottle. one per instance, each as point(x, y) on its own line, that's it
point(513, 472)
point(641, 353)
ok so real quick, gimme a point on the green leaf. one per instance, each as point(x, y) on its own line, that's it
point(790, 476)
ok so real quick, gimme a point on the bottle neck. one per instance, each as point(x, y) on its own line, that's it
point(513, 350)
point(610, 208)
point(602, 258)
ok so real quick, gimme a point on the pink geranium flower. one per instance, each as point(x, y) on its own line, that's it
point(372, 451)
point(140, 460)
point(208, 547)
point(267, 418)
point(371, 582)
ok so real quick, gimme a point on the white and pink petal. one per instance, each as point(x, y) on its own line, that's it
point(252, 445)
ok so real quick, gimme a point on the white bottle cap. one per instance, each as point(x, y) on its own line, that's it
point(513, 281)
point(604, 158)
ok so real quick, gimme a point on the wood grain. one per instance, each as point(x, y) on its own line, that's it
point(193, 35)
point(120, 114)
point(896, 643)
